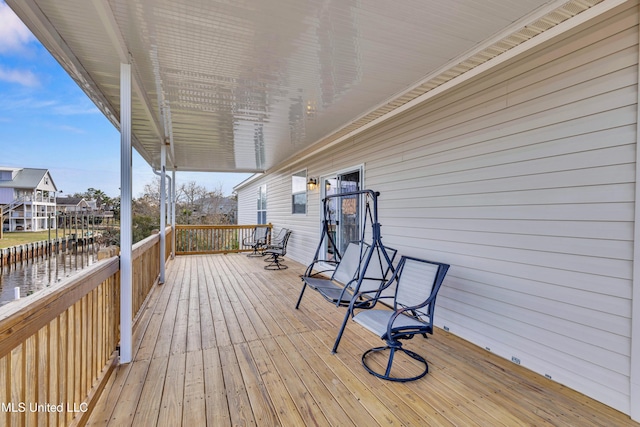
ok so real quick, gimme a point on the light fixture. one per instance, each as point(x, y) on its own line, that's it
point(312, 184)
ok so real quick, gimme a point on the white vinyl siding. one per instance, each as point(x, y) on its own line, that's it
point(6, 195)
point(525, 184)
point(524, 181)
point(247, 206)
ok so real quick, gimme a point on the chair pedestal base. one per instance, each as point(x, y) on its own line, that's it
point(386, 375)
point(255, 254)
point(276, 264)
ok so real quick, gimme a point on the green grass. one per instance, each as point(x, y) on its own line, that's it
point(20, 238)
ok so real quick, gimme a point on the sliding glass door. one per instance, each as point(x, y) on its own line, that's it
point(344, 212)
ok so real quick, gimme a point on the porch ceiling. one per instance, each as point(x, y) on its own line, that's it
point(240, 86)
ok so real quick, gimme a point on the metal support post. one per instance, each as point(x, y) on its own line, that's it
point(126, 225)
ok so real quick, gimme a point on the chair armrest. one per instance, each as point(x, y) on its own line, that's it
point(370, 302)
point(394, 316)
point(309, 270)
point(403, 310)
point(317, 273)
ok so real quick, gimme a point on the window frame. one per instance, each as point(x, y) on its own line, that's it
point(261, 205)
point(296, 194)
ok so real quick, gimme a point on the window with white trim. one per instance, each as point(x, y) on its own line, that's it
point(299, 192)
point(262, 204)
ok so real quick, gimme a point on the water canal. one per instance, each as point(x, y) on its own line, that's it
point(44, 271)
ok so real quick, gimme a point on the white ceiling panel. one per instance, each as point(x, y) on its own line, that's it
point(244, 85)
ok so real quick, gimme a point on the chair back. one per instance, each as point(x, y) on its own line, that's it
point(285, 240)
point(277, 241)
point(348, 266)
point(377, 271)
point(418, 282)
point(260, 234)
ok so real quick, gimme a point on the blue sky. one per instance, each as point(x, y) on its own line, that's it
point(46, 121)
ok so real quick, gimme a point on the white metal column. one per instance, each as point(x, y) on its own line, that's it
point(163, 209)
point(173, 212)
point(169, 199)
point(126, 235)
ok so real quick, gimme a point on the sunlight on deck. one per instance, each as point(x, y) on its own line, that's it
point(221, 344)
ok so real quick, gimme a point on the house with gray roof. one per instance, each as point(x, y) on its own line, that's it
point(27, 199)
point(73, 204)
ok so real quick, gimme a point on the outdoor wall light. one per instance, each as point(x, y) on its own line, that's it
point(312, 184)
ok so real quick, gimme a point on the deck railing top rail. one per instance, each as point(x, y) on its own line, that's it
point(212, 239)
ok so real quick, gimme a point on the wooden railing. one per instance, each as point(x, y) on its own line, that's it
point(55, 349)
point(146, 268)
point(212, 239)
point(167, 248)
point(58, 347)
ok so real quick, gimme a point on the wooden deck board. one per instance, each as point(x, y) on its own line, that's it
point(151, 396)
point(287, 411)
point(237, 397)
point(217, 407)
point(262, 407)
point(306, 373)
point(172, 402)
point(339, 391)
point(221, 344)
point(194, 402)
point(302, 397)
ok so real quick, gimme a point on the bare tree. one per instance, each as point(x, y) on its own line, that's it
point(197, 205)
point(188, 202)
point(151, 190)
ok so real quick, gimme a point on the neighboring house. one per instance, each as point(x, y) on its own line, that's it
point(215, 210)
point(95, 209)
point(228, 208)
point(28, 199)
point(72, 204)
point(100, 210)
point(523, 178)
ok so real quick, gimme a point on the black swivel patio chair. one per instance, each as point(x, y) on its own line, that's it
point(276, 243)
point(276, 254)
point(258, 240)
point(417, 283)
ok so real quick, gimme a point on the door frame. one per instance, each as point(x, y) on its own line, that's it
point(334, 175)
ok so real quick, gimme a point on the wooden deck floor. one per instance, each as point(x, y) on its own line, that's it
point(221, 344)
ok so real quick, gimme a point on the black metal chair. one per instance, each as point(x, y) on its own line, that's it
point(276, 254)
point(417, 284)
point(276, 243)
point(258, 240)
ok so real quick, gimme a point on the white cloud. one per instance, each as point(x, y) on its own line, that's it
point(72, 129)
point(23, 77)
point(15, 103)
point(75, 109)
point(39, 105)
point(14, 35)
